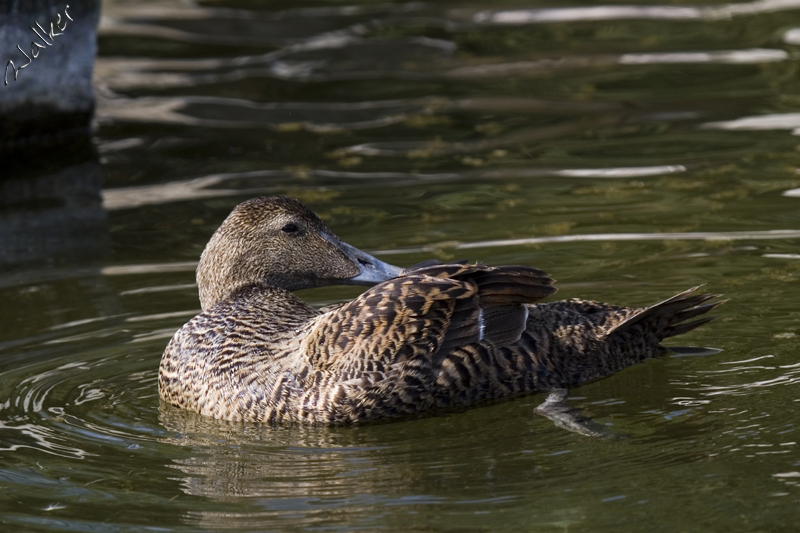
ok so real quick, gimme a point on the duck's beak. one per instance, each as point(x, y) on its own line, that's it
point(372, 270)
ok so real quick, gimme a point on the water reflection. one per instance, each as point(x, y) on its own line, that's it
point(52, 209)
point(293, 116)
point(263, 182)
point(254, 461)
point(607, 237)
point(772, 121)
point(769, 375)
point(755, 56)
point(271, 471)
point(575, 14)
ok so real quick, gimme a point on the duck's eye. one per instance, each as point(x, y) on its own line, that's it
point(290, 228)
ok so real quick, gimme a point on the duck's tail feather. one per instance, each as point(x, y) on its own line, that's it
point(685, 327)
point(680, 329)
point(669, 316)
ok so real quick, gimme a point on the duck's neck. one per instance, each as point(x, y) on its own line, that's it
point(219, 278)
point(221, 282)
point(270, 306)
point(211, 296)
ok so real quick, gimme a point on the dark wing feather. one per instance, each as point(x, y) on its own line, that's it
point(503, 325)
point(432, 309)
point(508, 285)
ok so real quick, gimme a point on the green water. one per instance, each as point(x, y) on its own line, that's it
point(631, 151)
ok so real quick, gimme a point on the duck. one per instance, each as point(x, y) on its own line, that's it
point(420, 340)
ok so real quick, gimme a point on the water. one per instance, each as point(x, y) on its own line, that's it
point(632, 151)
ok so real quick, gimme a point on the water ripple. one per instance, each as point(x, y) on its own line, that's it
point(46, 406)
point(611, 12)
point(607, 237)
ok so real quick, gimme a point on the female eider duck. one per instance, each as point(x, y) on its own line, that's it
point(430, 337)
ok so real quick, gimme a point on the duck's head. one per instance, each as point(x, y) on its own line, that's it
point(280, 242)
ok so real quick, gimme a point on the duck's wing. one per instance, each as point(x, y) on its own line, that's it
point(430, 310)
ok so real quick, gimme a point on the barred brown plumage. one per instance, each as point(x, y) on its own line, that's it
point(431, 337)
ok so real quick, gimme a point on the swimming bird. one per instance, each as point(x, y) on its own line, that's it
point(430, 337)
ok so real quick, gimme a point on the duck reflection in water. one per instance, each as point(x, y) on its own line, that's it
point(430, 337)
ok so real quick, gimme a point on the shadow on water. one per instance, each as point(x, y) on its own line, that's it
point(54, 237)
point(51, 205)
